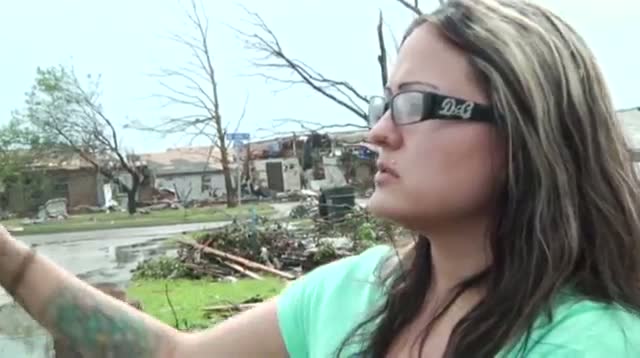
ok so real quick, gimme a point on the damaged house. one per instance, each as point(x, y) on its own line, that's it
point(272, 165)
point(312, 161)
point(189, 174)
point(66, 177)
point(336, 159)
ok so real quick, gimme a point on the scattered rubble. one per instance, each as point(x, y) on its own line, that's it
point(308, 206)
point(87, 209)
point(54, 209)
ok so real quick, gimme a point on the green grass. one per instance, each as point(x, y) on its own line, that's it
point(190, 296)
point(117, 220)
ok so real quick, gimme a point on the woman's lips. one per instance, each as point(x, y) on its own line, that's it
point(385, 174)
point(386, 169)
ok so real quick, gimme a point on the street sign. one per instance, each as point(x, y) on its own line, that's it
point(365, 153)
point(238, 136)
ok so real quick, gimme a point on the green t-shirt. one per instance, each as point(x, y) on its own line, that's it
point(318, 311)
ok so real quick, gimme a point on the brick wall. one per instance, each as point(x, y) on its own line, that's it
point(81, 186)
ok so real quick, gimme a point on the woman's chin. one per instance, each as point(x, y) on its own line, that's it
point(392, 207)
point(381, 205)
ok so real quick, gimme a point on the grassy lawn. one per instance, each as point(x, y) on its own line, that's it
point(190, 296)
point(101, 221)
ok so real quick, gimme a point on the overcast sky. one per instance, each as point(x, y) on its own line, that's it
point(126, 41)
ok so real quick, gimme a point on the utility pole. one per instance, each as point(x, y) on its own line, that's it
point(237, 139)
point(238, 149)
point(239, 182)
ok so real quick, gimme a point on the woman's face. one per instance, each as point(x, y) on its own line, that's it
point(442, 171)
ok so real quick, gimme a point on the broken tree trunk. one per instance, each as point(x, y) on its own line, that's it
point(237, 259)
point(242, 270)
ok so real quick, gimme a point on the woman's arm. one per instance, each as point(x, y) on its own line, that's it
point(98, 325)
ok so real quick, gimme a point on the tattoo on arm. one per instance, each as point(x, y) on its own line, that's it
point(98, 329)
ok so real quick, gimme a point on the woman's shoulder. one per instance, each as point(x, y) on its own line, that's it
point(331, 298)
point(341, 277)
point(361, 266)
point(585, 328)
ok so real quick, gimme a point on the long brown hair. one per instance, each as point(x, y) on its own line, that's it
point(569, 211)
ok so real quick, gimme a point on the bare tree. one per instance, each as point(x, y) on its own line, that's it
point(69, 114)
point(198, 93)
point(272, 57)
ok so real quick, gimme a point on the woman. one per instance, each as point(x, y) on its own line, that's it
point(498, 146)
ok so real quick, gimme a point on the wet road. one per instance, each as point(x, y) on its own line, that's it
point(107, 255)
point(112, 234)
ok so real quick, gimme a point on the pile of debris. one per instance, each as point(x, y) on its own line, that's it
point(260, 246)
point(268, 246)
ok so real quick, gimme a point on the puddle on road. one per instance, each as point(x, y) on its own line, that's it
point(125, 258)
point(139, 252)
point(21, 336)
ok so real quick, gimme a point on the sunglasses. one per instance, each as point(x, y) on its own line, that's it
point(410, 107)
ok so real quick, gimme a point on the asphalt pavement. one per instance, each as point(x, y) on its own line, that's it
point(107, 255)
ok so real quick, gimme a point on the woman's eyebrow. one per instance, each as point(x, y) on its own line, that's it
point(411, 84)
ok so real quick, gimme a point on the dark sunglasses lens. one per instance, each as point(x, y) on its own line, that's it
point(408, 107)
point(376, 109)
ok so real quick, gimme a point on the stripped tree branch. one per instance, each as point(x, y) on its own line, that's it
point(270, 56)
point(382, 57)
point(413, 7)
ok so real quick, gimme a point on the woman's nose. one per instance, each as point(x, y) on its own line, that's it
point(385, 134)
